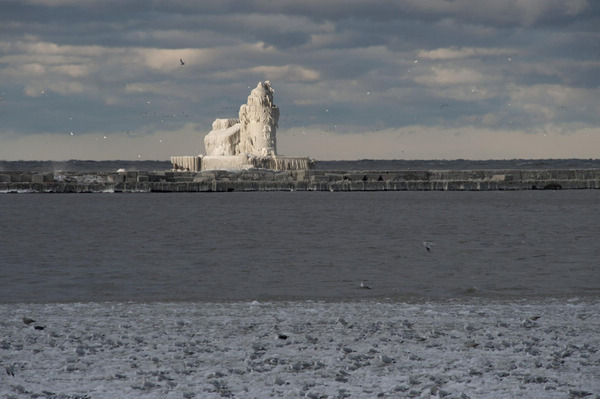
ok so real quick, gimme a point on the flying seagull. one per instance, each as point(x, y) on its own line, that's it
point(428, 245)
point(181, 61)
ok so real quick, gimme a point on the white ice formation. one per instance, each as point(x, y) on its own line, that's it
point(253, 133)
point(224, 139)
point(245, 143)
point(258, 119)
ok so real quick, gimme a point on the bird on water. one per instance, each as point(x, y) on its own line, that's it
point(428, 245)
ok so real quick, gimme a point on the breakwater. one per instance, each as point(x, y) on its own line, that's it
point(299, 180)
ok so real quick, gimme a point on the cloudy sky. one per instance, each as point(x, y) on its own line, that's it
point(354, 79)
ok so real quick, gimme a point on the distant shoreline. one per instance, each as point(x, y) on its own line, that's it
point(350, 165)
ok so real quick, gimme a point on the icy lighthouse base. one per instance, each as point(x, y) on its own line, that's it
point(249, 142)
point(241, 162)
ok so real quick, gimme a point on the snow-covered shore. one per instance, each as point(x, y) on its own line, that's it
point(364, 349)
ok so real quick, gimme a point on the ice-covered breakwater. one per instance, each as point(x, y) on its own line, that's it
point(300, 180)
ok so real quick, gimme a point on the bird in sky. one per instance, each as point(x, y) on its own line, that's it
point(428, 245)
point(181, 61)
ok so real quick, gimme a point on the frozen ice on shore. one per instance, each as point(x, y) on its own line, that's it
point(363, 349)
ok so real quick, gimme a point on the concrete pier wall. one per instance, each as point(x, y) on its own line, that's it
point(300, 180)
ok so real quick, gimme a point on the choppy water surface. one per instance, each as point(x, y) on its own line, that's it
point(259, 245)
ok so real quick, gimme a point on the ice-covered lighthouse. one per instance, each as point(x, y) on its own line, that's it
point(247, 142)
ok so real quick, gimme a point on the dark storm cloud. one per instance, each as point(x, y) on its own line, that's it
point(487, 12)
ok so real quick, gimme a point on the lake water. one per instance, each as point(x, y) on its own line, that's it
point(83, 166)
point(297, 245)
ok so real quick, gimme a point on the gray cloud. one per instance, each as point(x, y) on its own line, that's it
point(112, 67)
